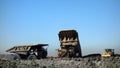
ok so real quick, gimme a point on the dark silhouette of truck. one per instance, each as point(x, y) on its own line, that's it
point(29, 51)
point(69, 43)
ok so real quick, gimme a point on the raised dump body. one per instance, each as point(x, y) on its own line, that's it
point(29, 51)
point(69, 43)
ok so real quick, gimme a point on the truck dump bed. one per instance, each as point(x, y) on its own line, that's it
point(69, 43)
point(24, 48)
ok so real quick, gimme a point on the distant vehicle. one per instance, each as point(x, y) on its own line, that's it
point(29, 51)
point(69, 43)
point(108, 53)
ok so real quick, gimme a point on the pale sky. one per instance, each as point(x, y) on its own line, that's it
point(39, 21)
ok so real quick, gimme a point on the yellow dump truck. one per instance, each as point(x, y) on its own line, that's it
point(108, 53)
point(29, 51)
point(69, 43)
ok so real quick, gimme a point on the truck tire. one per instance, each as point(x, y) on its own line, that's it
point(32, 57)
point(16, 57)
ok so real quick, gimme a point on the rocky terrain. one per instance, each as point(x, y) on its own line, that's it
point(87, 62)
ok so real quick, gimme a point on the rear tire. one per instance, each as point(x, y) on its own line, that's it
point(32, 57)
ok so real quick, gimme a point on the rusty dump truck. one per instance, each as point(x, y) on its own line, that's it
point(29, 52)
point(69, 43)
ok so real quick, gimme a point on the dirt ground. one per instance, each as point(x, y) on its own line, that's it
point(88, 62)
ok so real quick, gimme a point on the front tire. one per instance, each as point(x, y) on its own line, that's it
point(32, 57)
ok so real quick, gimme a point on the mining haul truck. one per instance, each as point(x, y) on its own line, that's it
point(29, 51)
point(69, 43)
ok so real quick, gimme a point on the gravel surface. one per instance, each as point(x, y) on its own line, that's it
point(88, 62)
